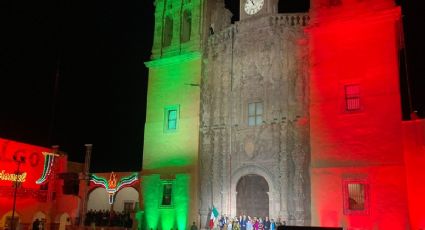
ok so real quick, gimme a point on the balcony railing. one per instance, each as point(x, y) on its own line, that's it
point(300, 19)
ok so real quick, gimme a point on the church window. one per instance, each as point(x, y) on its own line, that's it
point(352, 98)
point(355, 197)
point(186, 26)
point(168, 31)
point(255, 113)
point(171, 118)
point(166, 194)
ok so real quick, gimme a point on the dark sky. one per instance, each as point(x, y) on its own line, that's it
point(98, 47)
point(101, 89)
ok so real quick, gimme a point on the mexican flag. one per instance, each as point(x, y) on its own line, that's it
point(214, 215)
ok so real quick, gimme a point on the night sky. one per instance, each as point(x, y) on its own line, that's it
point(72, 72)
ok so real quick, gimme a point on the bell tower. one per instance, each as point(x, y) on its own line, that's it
point(170, 152)
point(177, 27)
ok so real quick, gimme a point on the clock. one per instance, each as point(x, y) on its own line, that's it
point(253, 6)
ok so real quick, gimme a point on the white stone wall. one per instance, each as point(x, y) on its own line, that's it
point(99, 199)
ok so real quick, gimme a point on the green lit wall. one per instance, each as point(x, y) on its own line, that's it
point(151, 187)
point(170, 217)
point(170, 82)
point(171, 154)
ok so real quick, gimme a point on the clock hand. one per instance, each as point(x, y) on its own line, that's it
point(252, 2)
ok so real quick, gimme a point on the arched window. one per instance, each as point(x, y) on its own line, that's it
point(291, 6)
point(186, 26)
point(168, 31)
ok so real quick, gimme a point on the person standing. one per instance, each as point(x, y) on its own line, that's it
point(194, 227)
point(249, 224)
point(272, 225)
point(236, 224)
point(230, 224)
point(222, 222)
point(242, 222)
point(267, 223)
point(260, 224)
point(35, 224)
point(278, 222)
point(41, 224)
point(255, 223)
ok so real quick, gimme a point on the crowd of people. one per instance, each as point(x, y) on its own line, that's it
point(248, 223)
point(38, 224)
point(108, 218)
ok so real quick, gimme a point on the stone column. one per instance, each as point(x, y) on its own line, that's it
point(85, 179)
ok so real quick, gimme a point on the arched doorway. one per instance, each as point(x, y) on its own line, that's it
point(64, 220)
point(6, 220)
point(98, 199)
point(126, 199)
point(42, 220)
point(252, 197)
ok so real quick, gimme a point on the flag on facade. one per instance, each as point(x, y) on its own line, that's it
point(214, 215)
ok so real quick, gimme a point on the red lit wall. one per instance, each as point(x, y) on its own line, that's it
point(356, 43)
point(414, 146)
point(32, 201)
point(33, 165)
point(388, 206)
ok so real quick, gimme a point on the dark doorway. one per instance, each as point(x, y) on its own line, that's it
point(252, 198)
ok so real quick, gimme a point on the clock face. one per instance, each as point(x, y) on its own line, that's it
point(253, 6)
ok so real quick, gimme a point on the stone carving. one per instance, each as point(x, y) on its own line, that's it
point(249, 147)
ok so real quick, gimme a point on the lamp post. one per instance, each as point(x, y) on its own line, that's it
point(18, 160)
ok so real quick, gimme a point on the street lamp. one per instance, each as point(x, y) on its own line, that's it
point(18, 160)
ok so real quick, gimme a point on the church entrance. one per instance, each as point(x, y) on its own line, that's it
point(252, 197)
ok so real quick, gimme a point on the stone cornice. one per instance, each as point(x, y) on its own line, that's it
point(173, 60)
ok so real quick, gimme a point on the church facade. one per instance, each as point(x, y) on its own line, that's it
point(254, 113)
point(291, 115)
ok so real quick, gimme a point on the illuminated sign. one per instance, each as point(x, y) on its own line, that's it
point(35, 165)
point(111, 185)
point(49, 160)
point(13, 177)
